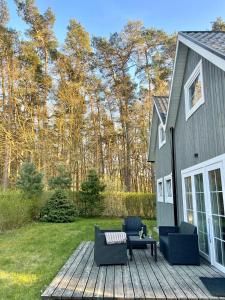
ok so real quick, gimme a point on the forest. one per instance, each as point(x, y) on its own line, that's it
point(81, 104)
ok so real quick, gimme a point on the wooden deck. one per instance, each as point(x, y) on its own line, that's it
point(142, 278)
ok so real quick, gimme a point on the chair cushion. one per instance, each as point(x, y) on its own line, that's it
point(133, 223)
point(187, 228)
point(115, 238)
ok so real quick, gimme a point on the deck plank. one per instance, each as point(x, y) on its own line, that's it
point(100, 284)
point(59, 277)
point(109, 283)
point(74, 279)
point(157, 289)
point(147, 288)
point(137, 286)
point(127, 283)
point(81, 285)
point(118, 286)
point(161, 279)
point(90, 287)
point(142, 279)
point(179, 280)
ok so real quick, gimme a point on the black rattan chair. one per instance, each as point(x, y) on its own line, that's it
point(104, 254)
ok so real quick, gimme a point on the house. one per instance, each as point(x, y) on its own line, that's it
point(187, 142)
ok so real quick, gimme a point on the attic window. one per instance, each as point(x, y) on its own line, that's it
point(162, 135)
point(193, 89)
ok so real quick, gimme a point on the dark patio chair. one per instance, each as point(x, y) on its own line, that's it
point(104, 254)
point(179, 245)
point(132, 226)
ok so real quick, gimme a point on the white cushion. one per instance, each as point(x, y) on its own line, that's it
point(115, 238)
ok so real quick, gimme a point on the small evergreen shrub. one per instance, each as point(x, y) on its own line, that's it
point(62, 181)
point(90, 195)
point(58, 209)
point(30, 181)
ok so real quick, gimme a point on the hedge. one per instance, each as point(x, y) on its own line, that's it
point(121, 204)
point(15, 211)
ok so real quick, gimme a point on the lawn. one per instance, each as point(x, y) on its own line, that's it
point(31, 256)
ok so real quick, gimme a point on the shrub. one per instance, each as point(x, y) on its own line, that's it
point(62, 181)
point(120, 204)
point(58, 209)
point(30, 180)
point(90, 195)
point(16, 210)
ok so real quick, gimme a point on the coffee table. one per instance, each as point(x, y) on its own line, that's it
point(135, 240)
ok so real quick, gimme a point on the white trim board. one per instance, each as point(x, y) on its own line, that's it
point(206, 163)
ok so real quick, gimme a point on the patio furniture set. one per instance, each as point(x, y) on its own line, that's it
point(179, 245)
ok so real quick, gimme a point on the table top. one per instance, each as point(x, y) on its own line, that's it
point(146, 240)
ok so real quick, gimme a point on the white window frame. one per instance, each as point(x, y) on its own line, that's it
point(167, 198)
point(160, 198)
point(161, 142)
point(197, 72)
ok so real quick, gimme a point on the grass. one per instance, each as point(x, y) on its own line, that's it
point(31, 256)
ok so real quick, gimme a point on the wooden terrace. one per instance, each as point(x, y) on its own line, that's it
point(142, 278)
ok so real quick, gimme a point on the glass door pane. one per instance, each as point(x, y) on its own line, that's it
point(201, 214)
point(189, 200)
point(218, 217)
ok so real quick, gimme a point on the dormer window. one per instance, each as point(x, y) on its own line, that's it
point(194, 96)
point(162, 135)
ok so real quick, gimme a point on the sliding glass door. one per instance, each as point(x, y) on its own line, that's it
point(203, 195)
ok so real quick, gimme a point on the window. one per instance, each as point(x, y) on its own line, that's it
point(162, 135)
point(160, 190)
point(168, 189)
point(193, 89)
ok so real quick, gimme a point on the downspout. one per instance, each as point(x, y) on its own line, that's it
point(174, 182)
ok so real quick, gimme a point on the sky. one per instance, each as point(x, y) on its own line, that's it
point(102, 17)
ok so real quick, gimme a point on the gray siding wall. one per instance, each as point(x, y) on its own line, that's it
point(162, 169)
point(204, 131)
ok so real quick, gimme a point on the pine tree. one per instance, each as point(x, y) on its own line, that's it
point(58, 209)
point(62, 181)
point(90, 194)
point(30, 180)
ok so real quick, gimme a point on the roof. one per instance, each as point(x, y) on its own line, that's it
point(213, 41)
point(161, 103)
point(208, 44)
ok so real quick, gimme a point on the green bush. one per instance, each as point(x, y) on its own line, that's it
point(90, 195)
point(17, 210)
point(58, 209)
point(30, 181)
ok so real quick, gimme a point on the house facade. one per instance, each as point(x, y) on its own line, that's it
point(187, 142)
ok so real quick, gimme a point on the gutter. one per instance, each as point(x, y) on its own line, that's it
point(174, 181)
